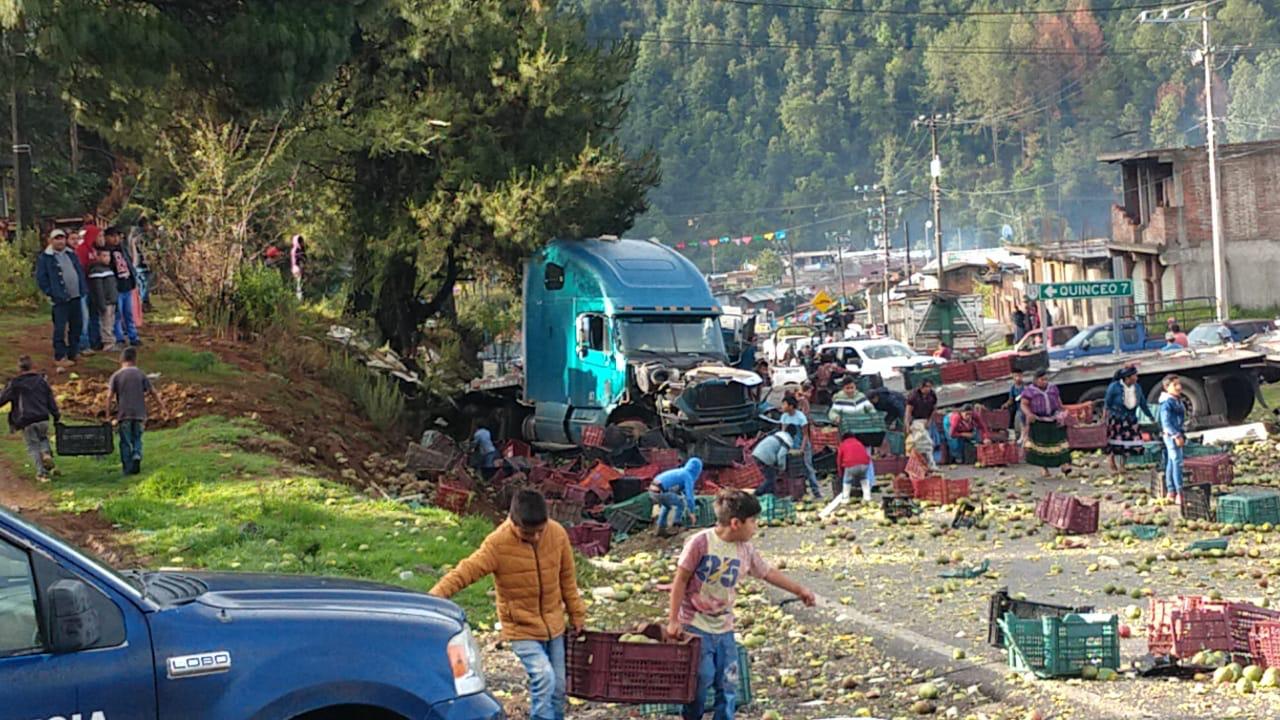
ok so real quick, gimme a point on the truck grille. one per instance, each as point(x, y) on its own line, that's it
point(720, 396)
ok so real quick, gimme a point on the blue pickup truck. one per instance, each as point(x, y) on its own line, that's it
point(80, 641)
point(1099, 340)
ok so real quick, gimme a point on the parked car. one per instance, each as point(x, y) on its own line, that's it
point(1098, 340)
point(885, 356)
point(1211, 334)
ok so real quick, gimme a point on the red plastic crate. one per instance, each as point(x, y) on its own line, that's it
point(664, 458)
point(994, 368)
point(1079, 414)
point(902, 486)
point(591, 532)
point(889, 466)
point(451, 498)
point(1243, 616)
point(994, 419)
point(1200, 628)
point(1087, 437)
point(1264, 643)
point(825, 437)
point(745, 476)
point(917, 466)
point(1042, 507)
point(792, 487)
point(644, 472)
point(566, 512)
point(516, 448)
point(1070, 514)
point(957, 372)
point(996, 454)
point(600, 667)
point(1163, 621)
point(593, 436)
point(599, 477)
point(940, 490)
point(588, 496)
point(1211, 469)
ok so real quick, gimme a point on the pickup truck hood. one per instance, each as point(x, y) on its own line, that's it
point(248, 591)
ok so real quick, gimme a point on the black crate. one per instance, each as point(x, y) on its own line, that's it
point(898, 507)
point(717, 454)
point(85, 439)
point(1030, 362)
point(824, 461)
point(1000, 603)
point(625, 488)
point(1197, 502)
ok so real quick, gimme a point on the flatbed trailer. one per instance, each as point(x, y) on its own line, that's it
point(1220, 384)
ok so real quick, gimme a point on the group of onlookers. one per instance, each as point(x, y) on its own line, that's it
point(98, 284)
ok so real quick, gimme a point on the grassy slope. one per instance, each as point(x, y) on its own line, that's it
point(203, 501)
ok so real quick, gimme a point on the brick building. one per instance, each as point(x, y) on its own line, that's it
point(1162, 230)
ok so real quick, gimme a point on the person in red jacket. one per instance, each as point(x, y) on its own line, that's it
point(853, 463)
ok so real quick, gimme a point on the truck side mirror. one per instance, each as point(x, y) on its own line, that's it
point(73, 621)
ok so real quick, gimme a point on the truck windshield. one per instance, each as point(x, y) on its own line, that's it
point(700, 336)
point(888, 350)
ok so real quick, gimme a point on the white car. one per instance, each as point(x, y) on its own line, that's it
point(885, 356)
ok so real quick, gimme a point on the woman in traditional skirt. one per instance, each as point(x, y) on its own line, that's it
point(1124, 400)
point(1046, 430)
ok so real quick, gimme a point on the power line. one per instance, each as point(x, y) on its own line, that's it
point(938, 13)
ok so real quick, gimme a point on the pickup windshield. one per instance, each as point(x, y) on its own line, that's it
point(1097, 338)
point(672, 336)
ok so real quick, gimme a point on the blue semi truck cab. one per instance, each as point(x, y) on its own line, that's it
point(80, 641)
point(619, 330)
point(1100, 340)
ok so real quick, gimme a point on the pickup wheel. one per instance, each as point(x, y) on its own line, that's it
point(1193, 396)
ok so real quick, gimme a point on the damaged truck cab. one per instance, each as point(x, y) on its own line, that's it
point(620, 330)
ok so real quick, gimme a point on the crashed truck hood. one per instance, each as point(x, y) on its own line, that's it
point(721, 372)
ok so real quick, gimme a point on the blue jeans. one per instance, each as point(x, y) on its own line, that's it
point(810, 472)
point(131, 445)
point(770, 484)
point(717, 670)
point(956, 446)
point(1172, 465)
point(935, 436)
point(66, 330)
point(544, 661)
point(124, 328)
point(670, 502)
point(90, 331)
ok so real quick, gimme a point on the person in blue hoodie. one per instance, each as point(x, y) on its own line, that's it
point(674, 490)
point(1173, 416)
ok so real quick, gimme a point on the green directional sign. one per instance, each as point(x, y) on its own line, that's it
point(1081, 290)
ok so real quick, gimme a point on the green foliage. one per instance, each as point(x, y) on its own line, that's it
point(202, 501)
point(492, 310)
point(377, 395)
point(1254, 110)
point(768, 267)
point(469, 132)
point(17, 277)
point(261, 297)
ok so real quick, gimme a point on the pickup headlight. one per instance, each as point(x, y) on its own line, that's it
point(464, 661)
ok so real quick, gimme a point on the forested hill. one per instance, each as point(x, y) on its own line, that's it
point(767, 114)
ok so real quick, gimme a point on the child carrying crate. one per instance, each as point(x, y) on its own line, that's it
point(702, 597)
point(531, 561)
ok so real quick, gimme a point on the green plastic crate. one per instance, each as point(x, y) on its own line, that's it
point(706, 511)
point(1253, 507)
point(629, 515)
point(897, 442)
point(1061, 646)
point(862, 423)
point(915, 376)
point(1152, 456)
point(775, 510)
point(743, 697)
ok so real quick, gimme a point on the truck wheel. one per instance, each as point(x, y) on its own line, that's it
point(1193, 396)
point(1094, 396)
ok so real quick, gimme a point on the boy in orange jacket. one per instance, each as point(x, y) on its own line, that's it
point(532, 565)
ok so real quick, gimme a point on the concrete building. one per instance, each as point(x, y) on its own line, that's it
point(1162, 231)
point(1071, 261)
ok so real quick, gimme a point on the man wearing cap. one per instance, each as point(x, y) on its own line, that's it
point(62, 280)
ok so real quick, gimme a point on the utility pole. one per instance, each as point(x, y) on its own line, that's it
point(935, 175)
point(840, 266)
point(24, 215)
point(906, 232)
point(884, 237)
point(1205, 54)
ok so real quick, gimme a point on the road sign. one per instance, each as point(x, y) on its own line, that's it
point(1081, 290)
point(823, 301)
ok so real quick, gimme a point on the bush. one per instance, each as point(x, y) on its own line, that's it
point(378, 396)
point(17, 277)
point(261, 298)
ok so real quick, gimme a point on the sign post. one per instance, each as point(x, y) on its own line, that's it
point(1083, 290)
